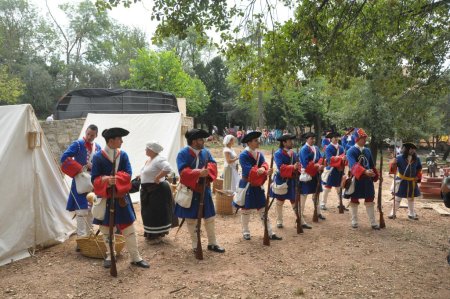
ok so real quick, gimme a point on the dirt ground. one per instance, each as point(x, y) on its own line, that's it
point(405, 260)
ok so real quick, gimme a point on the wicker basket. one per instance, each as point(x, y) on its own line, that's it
point(217, 185)
point(97, 249)
point(223, 203)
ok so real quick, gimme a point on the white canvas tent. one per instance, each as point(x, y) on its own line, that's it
point(162, 127)
point(33, 194)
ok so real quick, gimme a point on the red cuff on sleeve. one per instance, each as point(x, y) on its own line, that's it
point(123, 183)
point(287, 171)
point(392, 167)
point(357, 170)
point(336, 162)
point(100, 187)
point(311, 169)
point(419, 176)
point(255, 179)
point(71, 167)
point(265, 166)
point(212, 171)
point(189, 177)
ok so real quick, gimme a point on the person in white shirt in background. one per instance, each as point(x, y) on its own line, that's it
point(230, 171)
point(49, 118)
point(156, 195)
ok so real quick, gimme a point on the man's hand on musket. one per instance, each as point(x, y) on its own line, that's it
point(89, 166)
point(321, 167)
point(269, 172)
point(203, 173)
point(110, 179)
point(369, 173)
point(260, 171)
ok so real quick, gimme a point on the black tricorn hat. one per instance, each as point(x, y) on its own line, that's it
point(113, 133)
point(409, 145)
point(307, 135)
point(196, 134)
point(286, 137)
point(250, 136)
point(333, 134)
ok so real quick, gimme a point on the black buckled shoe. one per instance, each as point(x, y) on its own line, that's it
point(141, 264)
point(216, 248)
point(247, 237)
point(321, 217)
point(376, 227)
point(107, 264)
point(279, 225)
point(413, 217)
point(391, 217)
point(275, 237)
point(307, 226)
point(345, 209)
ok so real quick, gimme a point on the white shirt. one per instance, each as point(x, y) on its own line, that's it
point(153, 167)
point(50, 118)
point(233, 155)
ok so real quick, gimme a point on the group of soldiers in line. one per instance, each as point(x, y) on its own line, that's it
point(313, 170)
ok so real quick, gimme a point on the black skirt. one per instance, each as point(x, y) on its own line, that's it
point(156, 209)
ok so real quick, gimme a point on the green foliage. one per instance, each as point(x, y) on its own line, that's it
point(214, 75)
point(178, 16)
point(11, 88)
point(163, 72)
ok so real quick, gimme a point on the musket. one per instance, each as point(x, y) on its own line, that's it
point(380, 191)
point(297, 206)
point(112, 201)
point(266, 240)
point(201, 207)
point(341, 204)
point(393, 198)
point(316, 196)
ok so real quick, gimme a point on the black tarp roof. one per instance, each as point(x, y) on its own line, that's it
point(78, 103)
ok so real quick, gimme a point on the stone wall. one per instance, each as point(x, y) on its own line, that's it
point(61, 133)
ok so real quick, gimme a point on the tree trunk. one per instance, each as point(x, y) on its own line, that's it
point(318, 129)
point(374, 147)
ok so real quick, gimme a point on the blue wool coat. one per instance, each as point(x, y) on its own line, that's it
point(306, 156)
point(412, 170)
point(364, 187)
point(255, 196)
point(335, 177)
point(186, 159)
point(102, 166)
point(77, 150)
point(281, 158)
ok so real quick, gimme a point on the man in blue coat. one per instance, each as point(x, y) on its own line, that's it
point(335, 157)
point(312, 165)
point(409, 175)
point(76, 157)
point(287, 165)
point(254, 174)
point(195, 164)
point(365, 174)
point(105, 178)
